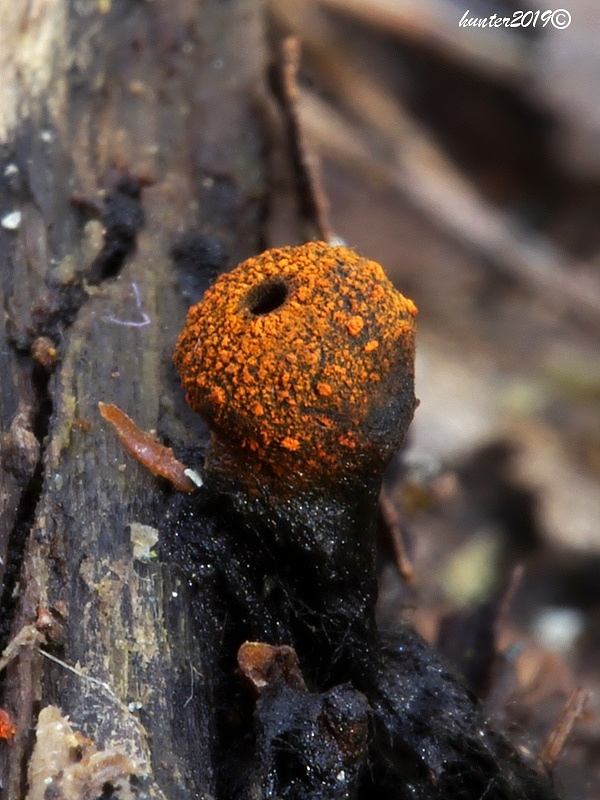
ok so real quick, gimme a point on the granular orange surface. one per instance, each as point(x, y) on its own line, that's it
point(289, 355)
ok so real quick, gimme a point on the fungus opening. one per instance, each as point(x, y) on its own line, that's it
point(268, 296)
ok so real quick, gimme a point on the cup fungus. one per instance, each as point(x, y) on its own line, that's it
point(301, 361)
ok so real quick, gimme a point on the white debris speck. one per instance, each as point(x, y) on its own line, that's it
point(46, 136)
point(194, 476)
point(12, 221)
point(10, 170)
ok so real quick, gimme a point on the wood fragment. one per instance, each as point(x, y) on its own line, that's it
point(557, 738)
point(505, 600)
point(392, 521)
point(28, 637)
point(159, 459)
point(311, 194)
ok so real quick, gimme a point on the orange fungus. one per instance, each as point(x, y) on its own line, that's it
point(7, 726)
point(301, 359)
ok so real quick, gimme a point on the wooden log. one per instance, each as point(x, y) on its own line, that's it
point(166, 97)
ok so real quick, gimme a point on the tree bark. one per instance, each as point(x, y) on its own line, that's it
point(170, 93)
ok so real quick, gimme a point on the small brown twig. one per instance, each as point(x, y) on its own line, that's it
point(28, 637)
point(160, 460)
point(309, 184)
point(561, 730)
point(391, 519)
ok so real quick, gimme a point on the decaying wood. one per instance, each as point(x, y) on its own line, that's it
point(169, 93)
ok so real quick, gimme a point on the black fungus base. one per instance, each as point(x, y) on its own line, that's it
point(301, 573)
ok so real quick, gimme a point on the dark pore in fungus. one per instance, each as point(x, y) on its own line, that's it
point(302, 361)
point(267, 296)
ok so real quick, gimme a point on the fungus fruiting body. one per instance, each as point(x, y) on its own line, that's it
point(301, 360)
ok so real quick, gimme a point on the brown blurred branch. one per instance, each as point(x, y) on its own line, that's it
point(416, 167)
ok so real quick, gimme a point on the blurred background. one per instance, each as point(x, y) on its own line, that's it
point(466, 160)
